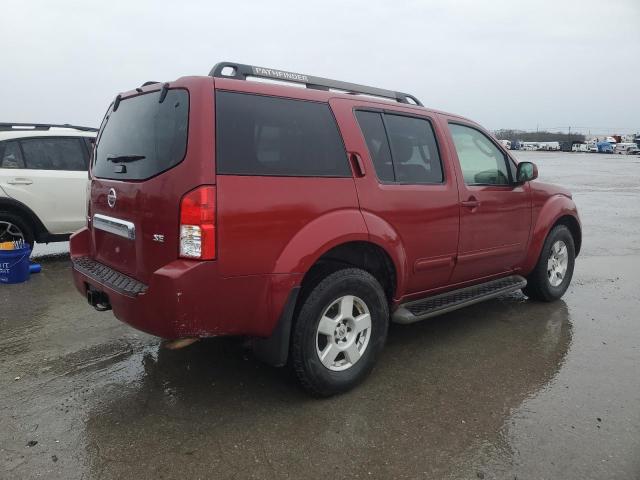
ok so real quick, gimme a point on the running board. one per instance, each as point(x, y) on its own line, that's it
point(446, 302)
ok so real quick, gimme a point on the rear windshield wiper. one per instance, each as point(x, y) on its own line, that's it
point(124, 158)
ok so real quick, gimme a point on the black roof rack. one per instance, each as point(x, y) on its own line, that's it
point(240, 71)
point(5, 126)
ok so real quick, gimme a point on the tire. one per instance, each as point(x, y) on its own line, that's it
point(13, 226)
point(349, 350)
point(544, 284)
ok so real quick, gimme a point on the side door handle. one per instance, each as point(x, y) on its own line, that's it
point(20, 181)
point(358, 164)
point(472, 203)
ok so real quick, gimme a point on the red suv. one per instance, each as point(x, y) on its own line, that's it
point(308, 218)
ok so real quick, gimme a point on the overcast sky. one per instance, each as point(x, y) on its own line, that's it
point(506, 64)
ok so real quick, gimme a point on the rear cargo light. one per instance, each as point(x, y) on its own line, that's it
point(198, 224)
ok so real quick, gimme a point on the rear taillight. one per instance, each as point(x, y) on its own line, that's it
point(198, 224)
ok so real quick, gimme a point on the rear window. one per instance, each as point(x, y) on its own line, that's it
point(260, 135)
point(143, 137)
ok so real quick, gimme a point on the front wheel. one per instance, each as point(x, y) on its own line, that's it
point(340, 329)
point(552, 275)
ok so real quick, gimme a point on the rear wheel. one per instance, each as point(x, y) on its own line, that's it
point(340, 329)
point(552, 274)
point(14, 228)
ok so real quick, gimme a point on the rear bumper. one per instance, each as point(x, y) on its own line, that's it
point(189, 298)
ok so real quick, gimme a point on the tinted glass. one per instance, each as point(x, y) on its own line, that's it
point(481, 161)
point(377, 144)
point(10, 155)
point(258, 135)
point(54, 153)
point(414, 150)
point(142, 126)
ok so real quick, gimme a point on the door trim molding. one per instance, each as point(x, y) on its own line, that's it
point(490, 252)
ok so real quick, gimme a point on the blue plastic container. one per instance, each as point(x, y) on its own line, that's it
point(14, 265)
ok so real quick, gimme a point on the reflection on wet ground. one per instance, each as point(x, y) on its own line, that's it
point(505, 389)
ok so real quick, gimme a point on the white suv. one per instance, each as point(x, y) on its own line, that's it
point(43, 180)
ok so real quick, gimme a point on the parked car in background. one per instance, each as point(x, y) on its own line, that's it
point(529, 146)
point(626, 148)
point(580, 147)
point(307, 219)
point(633, 151)
point(43, 180)
point(604, 147)
point(506, 144)
point(549, 146)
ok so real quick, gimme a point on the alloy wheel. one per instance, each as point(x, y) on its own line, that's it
point(558, 263)
point(10, 232)
point(343, 333)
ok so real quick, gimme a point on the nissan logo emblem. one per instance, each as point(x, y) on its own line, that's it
point(111, 198)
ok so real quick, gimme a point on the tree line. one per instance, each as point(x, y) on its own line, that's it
point(541, 136)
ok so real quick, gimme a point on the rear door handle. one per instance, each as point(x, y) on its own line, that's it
point(358, 164)
point(472, 202)
point(20, 181)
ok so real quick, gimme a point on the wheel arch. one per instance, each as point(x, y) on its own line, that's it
point(558, 210)
point(14, 206)
point(335, 229)
point(573, 225)
point(335, 239)
point(363, 254)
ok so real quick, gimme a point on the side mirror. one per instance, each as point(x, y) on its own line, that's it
point(526, 172)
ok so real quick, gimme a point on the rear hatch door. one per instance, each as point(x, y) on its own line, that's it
point(142, 167)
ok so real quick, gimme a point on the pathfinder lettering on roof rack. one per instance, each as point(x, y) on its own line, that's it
point(267, 72)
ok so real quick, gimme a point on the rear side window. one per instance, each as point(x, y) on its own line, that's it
point(403, 148)
point(260, 135)
point(10, 155)
point(143, 137)
point(415, 153)
point(47, 153)
point(377, 143)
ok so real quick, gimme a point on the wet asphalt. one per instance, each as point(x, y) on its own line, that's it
point(505, 389)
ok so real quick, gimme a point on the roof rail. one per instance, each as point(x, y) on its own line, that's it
point(240, 71)
point(4, 126)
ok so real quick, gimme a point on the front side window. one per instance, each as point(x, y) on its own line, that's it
point(271, 136)
point(10, 155)
point(51, 153)
point(481, 161)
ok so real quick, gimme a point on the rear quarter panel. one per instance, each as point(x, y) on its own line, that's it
point(282, 224)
